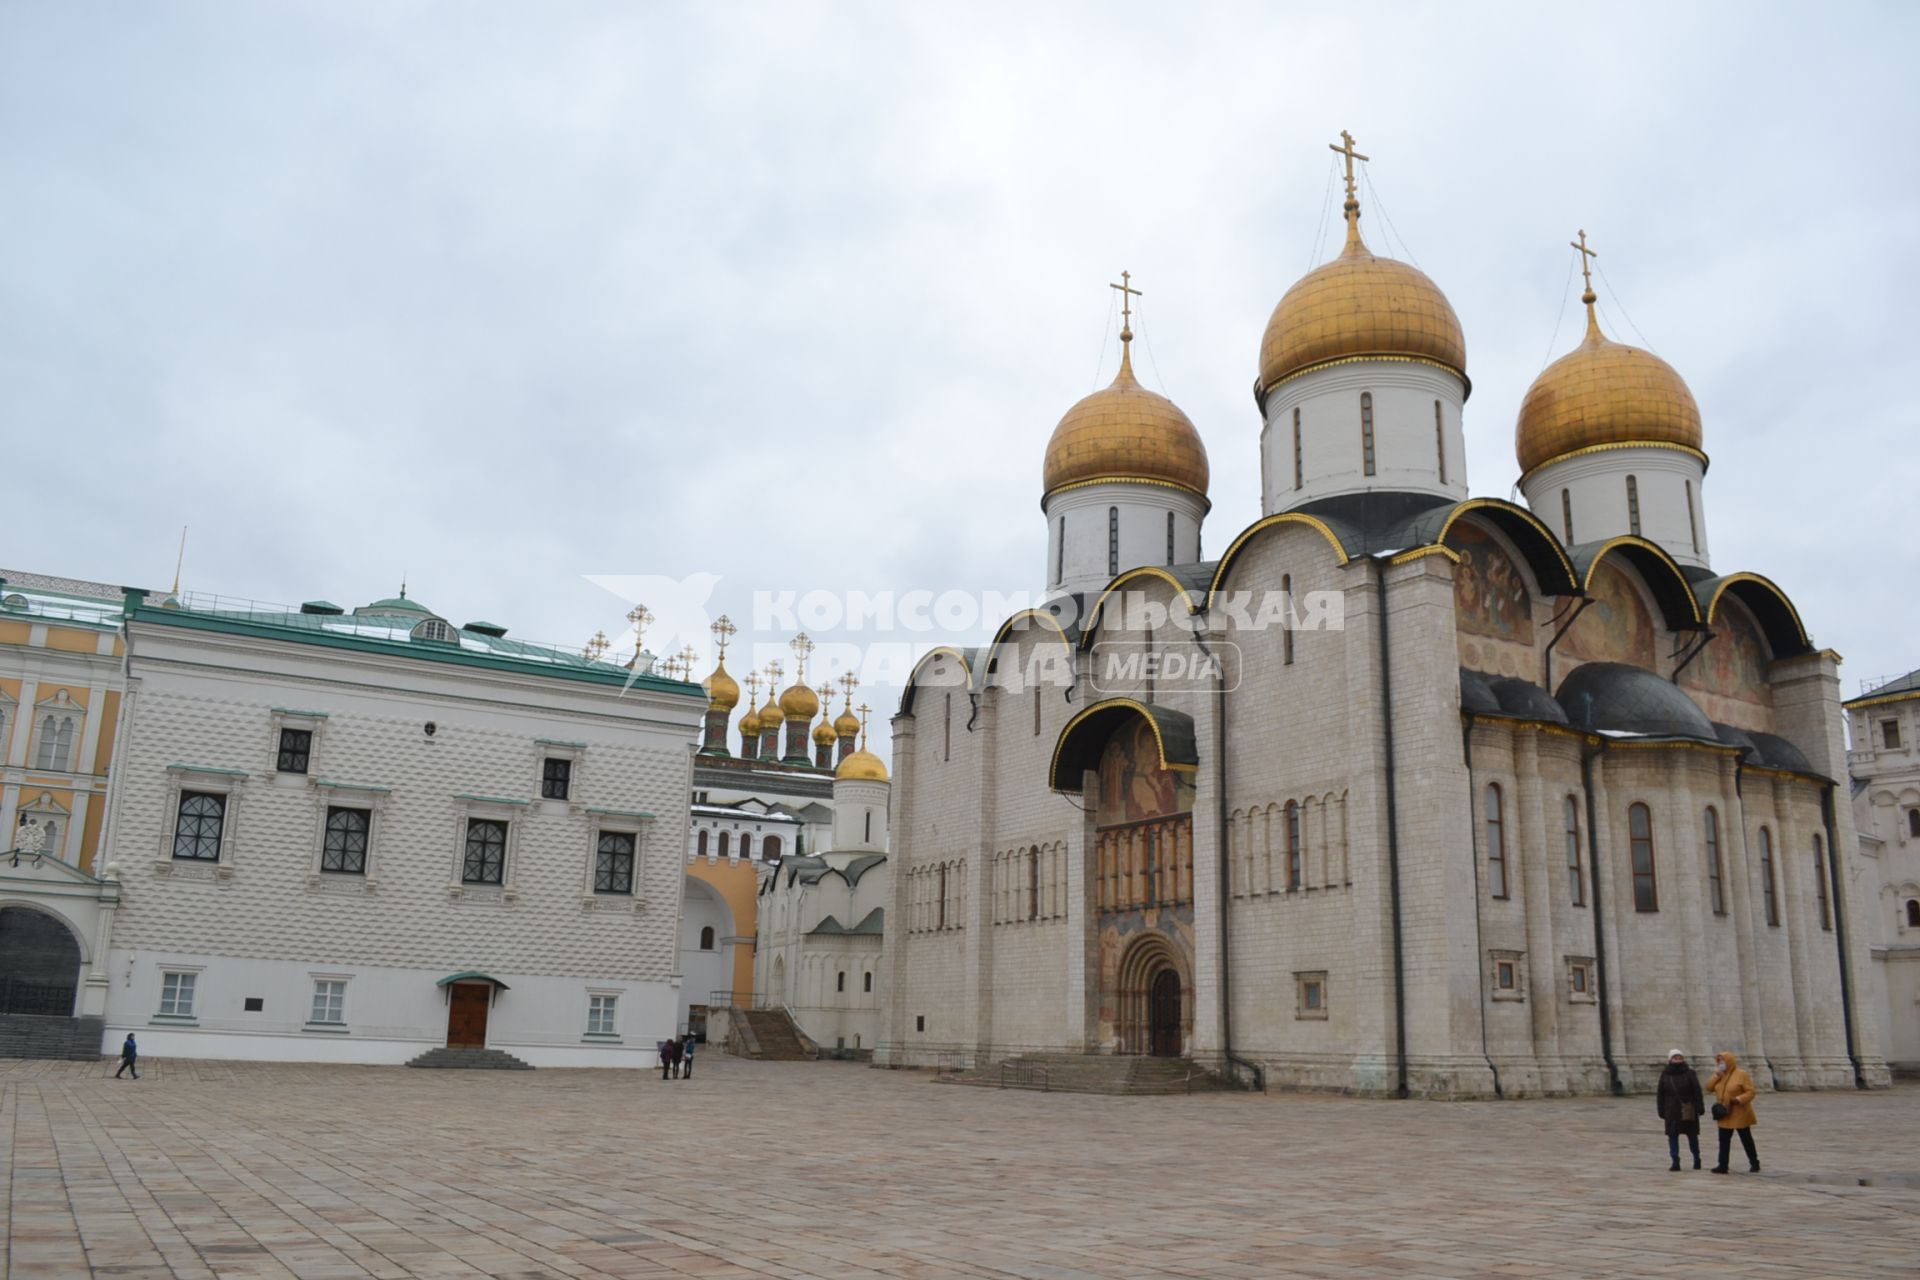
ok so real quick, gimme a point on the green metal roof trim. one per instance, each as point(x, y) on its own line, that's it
point(622, 813)
point(367, 635)
point(471, 975)
point(399, 604)
point(333, 785)
point(558, 742)
point(296, 711)
point(207, 768)
point(492, 800)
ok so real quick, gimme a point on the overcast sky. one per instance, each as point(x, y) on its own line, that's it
point(504, 296)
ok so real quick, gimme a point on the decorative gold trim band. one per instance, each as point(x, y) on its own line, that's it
point(1418, 553)
point(1584, 450)
point(1261, 392)
point(1206, 502)
point(1870, 701)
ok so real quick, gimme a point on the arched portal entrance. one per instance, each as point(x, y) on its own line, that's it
point(39, 963)
point(1154, 999)
point(1163, 1015)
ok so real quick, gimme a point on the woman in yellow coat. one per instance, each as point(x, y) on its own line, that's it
point(1734, 1110)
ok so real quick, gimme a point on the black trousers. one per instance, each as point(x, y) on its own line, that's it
point(1746, 1141)
point(126, 1064)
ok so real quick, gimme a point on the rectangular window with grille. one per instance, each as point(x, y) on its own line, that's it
point(1299, 468)
point(196, 829)
point(613, 863)
point(1366, 431)
point(486, 859)
point(176, 994)
point(1646, 889)
point(600, 1015)
point(1633, 506)
point(329, 1002)
point(344, 849)
point(1716, 865)
point(556, 778)
point(296, 749)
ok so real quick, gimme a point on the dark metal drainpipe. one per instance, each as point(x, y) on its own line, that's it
point(1587, 757)
point(1740, 790)
point(1222, 825)
point(1840, 933)
point(1479, 938)
point(1393, 844)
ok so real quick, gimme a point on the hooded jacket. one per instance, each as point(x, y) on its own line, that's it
point(1734, 1088)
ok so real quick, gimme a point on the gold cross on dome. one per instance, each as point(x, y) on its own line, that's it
point(1127, 294)
point(774, 672)
point(849, 682)
point(723, 631)
point(1586, 262)
point(1346, 149)
point(639, 616)
point(802, 646)
point(595, 647)
point(753, 689)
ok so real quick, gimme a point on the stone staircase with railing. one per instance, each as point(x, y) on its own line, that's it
point(769, 1034)
point(1122, 1075)
point(470, 1060)
point(25, 1035)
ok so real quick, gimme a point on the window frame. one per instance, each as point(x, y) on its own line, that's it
point(468, 876)
point(338, 1005)
point(1310, 996)
point(1769, 886)
point(1716, 863)
point(180, 977)
point(556, 778)
point(1512, 966)
point(1494, 821)
point(1890, 737)
point(180, 817)
point(1649, 879)
point(1293, 830)
point(1299, 456)
point(602, 1024)
point(1369, 458)
point(638, 827)
point(1821, 891)
point(327, 842)
point(283, 719)
point(605, 861)
point(1575, 863)
point(294, 758)
point(1633, 506)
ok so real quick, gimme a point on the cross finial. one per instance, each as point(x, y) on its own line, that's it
point(1586, 273)
point(1127, 294)
point(803, 647)
point(753, 690)
point(687, 658)
point(723, 631)
point(849, 682)
point(774, 672)
point(595, 647)
point(639, 616)
point(1353, 200)
point(865, 710)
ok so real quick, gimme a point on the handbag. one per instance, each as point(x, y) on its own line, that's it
point(1719, 1111)
point(1687, 1114)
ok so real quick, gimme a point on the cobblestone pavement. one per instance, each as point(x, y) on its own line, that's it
point(824, 1169)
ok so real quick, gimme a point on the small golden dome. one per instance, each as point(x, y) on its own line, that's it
point(1604, 393)
point(800, 703)
point(1126, 432)
point(770, 715)
point(823, 734)
point(723, 691)
point(750, 724)
point(1360, 305)
point(846, 724)
point(861, 766)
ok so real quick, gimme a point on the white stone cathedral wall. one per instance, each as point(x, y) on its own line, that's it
point(1596, 488)
point(1143, 510)
point(1406, 456)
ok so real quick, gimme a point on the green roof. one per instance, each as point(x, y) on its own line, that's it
point(389, 635)
point(397, 604)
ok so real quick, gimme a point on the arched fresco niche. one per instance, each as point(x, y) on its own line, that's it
point(1616, 627)
point(1492, 606)
point(1729, 678)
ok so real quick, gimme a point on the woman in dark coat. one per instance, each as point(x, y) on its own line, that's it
point(1680, 1102)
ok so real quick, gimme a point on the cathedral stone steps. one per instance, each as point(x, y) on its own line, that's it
point(1123, 1075)
point(471, 1060)
point(774, 1036)
point(24, 1035)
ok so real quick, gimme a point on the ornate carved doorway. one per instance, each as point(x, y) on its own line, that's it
point(1163, 1015)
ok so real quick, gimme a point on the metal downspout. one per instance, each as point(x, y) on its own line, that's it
point(1840, 933)
point(1393, 844)
point(1587, 757)
point(1221, 871)
point(1479, 938)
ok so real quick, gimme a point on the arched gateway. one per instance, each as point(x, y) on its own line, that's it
point(1141, 758)
point(39, 963)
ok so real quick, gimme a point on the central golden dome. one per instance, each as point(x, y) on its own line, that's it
point(1126, 432)
point(800, 703)
point(1360, 305)
point(1604, 393)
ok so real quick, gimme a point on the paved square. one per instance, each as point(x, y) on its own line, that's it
point(826, 1169)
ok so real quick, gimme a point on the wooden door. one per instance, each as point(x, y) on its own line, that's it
point(1163, 1014)
point(467, 1015)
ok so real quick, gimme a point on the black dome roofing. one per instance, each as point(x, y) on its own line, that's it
point(1612, 695)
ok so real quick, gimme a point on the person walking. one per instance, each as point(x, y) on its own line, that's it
point(667, 1052)
point(1733, 1088)
point(129, 1058)
point(686, 1057)
point(1680, 1102)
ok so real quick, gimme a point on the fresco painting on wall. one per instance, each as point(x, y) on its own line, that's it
point(1133, 786)
point(1616, 627)
point(1729, 679)
point(1493, 608)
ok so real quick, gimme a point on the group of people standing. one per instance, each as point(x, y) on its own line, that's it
point(1680, 1101)
point(676, 1058)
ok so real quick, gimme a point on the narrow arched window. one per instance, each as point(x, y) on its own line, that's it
point(1767, 891)
point(867, 837)
point(1716, 870)
point(1633, 506)
point(1113, 541)
point(770, 848)
point(1566, 513)
point(1913, 822)
point(1496, 843)
point(1440, 441)
point(700, 844)
point(1169, 537)
point(1366, 431)
point(941, 921)
point(1576, 883)
point(706, 937)
point(1286, 621)
point(840, 981)
point(1060, 550)
point(1820, 891)
point(746, 845)
point(1646, 888)
point(1913, 913)
point(1299, 470)
point(1033, 883)
point(1693, 523)
point(723, 844)
point(1293, 846)
point(1036, 713)
point(946, 732)
point(866, 982)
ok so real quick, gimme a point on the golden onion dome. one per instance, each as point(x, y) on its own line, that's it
point(800, 703)
point(846, 724)
point(1126, 432)
point(1356, 306)
point(770, 715)
point(1604, 393)
point(861, 766)
point(823, 734)
point(750, 724)
point(723, 691)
